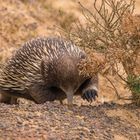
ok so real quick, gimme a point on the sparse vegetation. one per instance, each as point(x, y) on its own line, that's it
point(66, 19)
point(112, 30)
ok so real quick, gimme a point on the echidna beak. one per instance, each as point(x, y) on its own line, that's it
point(69, 93)
point(70, 98)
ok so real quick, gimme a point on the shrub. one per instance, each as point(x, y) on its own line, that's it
point(113, 30)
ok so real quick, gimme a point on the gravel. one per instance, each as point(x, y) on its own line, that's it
point(52, 121)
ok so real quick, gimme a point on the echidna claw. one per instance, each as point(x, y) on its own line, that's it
point(90, 95)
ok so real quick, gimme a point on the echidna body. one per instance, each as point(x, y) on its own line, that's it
point(45, 69)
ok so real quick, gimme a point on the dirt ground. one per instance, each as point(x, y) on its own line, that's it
point(106, 119)
point(52, 121)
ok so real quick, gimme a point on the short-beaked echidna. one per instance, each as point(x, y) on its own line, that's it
point(46, 69)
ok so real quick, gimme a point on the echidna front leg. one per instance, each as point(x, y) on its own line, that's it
point(41, 94)
point(5, 99)
point(90, 89)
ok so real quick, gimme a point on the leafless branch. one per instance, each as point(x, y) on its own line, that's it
point(116, 91)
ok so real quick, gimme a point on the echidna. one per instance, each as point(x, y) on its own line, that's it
point(45, 69)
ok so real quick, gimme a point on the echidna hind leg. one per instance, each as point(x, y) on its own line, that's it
point(13, 100)
point(61, 102)
point(4, 98)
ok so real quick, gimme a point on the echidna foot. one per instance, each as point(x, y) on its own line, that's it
point(90, 95)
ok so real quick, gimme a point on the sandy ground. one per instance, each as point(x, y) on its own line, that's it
point(21, 20)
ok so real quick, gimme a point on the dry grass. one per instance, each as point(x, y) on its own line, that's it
point(23, 20)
